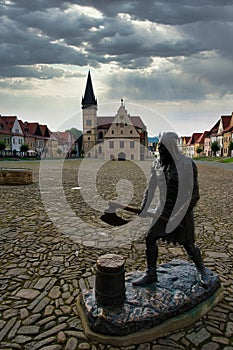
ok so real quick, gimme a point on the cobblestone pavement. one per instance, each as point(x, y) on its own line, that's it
point(43, 271)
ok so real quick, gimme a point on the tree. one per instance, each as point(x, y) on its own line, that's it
point(215, 147)
point(199, 150)
point(2, 147)
point(24, 148)
point(75, 133)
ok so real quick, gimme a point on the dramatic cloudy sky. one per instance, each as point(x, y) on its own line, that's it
point(171, 60)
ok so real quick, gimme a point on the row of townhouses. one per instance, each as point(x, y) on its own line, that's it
point(221, 132)
point(40, 140)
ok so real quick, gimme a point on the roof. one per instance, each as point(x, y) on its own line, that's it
point(214, 129)
point(45, 130)
point(105, 122)
point(193, 139)
point(7, 123)
point(62, 136)
point(89, 96)
point(226, 119)
point(202, 137)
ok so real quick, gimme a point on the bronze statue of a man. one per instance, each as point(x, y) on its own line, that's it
point(175, 175)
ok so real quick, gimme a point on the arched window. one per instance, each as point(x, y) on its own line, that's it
point(101, 135)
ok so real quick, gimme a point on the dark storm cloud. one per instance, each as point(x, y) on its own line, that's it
point(38, 72)
point(156, 86)
point(128, 34)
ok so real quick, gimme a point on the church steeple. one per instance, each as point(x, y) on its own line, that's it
point(89, 97)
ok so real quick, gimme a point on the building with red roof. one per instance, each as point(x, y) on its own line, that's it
point(222, 133)
point(191, 145)
point(11, 133)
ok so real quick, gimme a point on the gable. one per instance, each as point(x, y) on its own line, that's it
point(122, 125)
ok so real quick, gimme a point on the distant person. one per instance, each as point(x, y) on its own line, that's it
point(175, 175)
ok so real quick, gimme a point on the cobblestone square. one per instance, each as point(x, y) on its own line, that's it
point(48, 257)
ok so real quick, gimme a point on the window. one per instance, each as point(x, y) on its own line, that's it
point(121, 132)
point(122, 144)
point(88, 131)
point(100, 150)
point(121, 125)
point(131, 144)
point(112, 131)
point(13, 141)
point(131, 131)
point(88, 122)
point(132, 157)
point(111, 144)
point(101, 135)
point(88, 138)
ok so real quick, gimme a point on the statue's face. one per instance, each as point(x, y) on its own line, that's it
point(165, 156)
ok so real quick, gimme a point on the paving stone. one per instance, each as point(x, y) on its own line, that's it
point(2, 324)
point(221, 340)
point(229, 329)
point(28, 293)
point(55, 292)
point(61, 337)
point(42, 282)
point(41, 305)
point(23, 313)
point(210, 346)
point(29, 330)
point(14, 330)
point(9, 313)
point(7, 328)
point(84, 346)
point(71, 344)
point(37, 300)
point(22, 339)
point(31, 319)
point(51, 331)
point(198, 337)
point(48, 310)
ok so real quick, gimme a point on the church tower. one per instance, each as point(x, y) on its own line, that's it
point(89, 107)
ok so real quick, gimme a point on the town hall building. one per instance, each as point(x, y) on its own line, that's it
point(119, 137)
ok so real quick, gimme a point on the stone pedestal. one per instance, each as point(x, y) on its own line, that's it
point(110, 280)
point(15, 176)
point(177, 300)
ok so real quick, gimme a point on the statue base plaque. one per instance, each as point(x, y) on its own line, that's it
point(176, 300)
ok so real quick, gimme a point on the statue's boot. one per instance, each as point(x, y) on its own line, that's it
point(195, 255)
point(150, 275)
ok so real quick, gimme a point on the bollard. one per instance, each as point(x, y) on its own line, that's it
point(110, 280)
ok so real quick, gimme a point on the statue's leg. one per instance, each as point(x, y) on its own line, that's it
point(150, 275)
point(195, 255)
